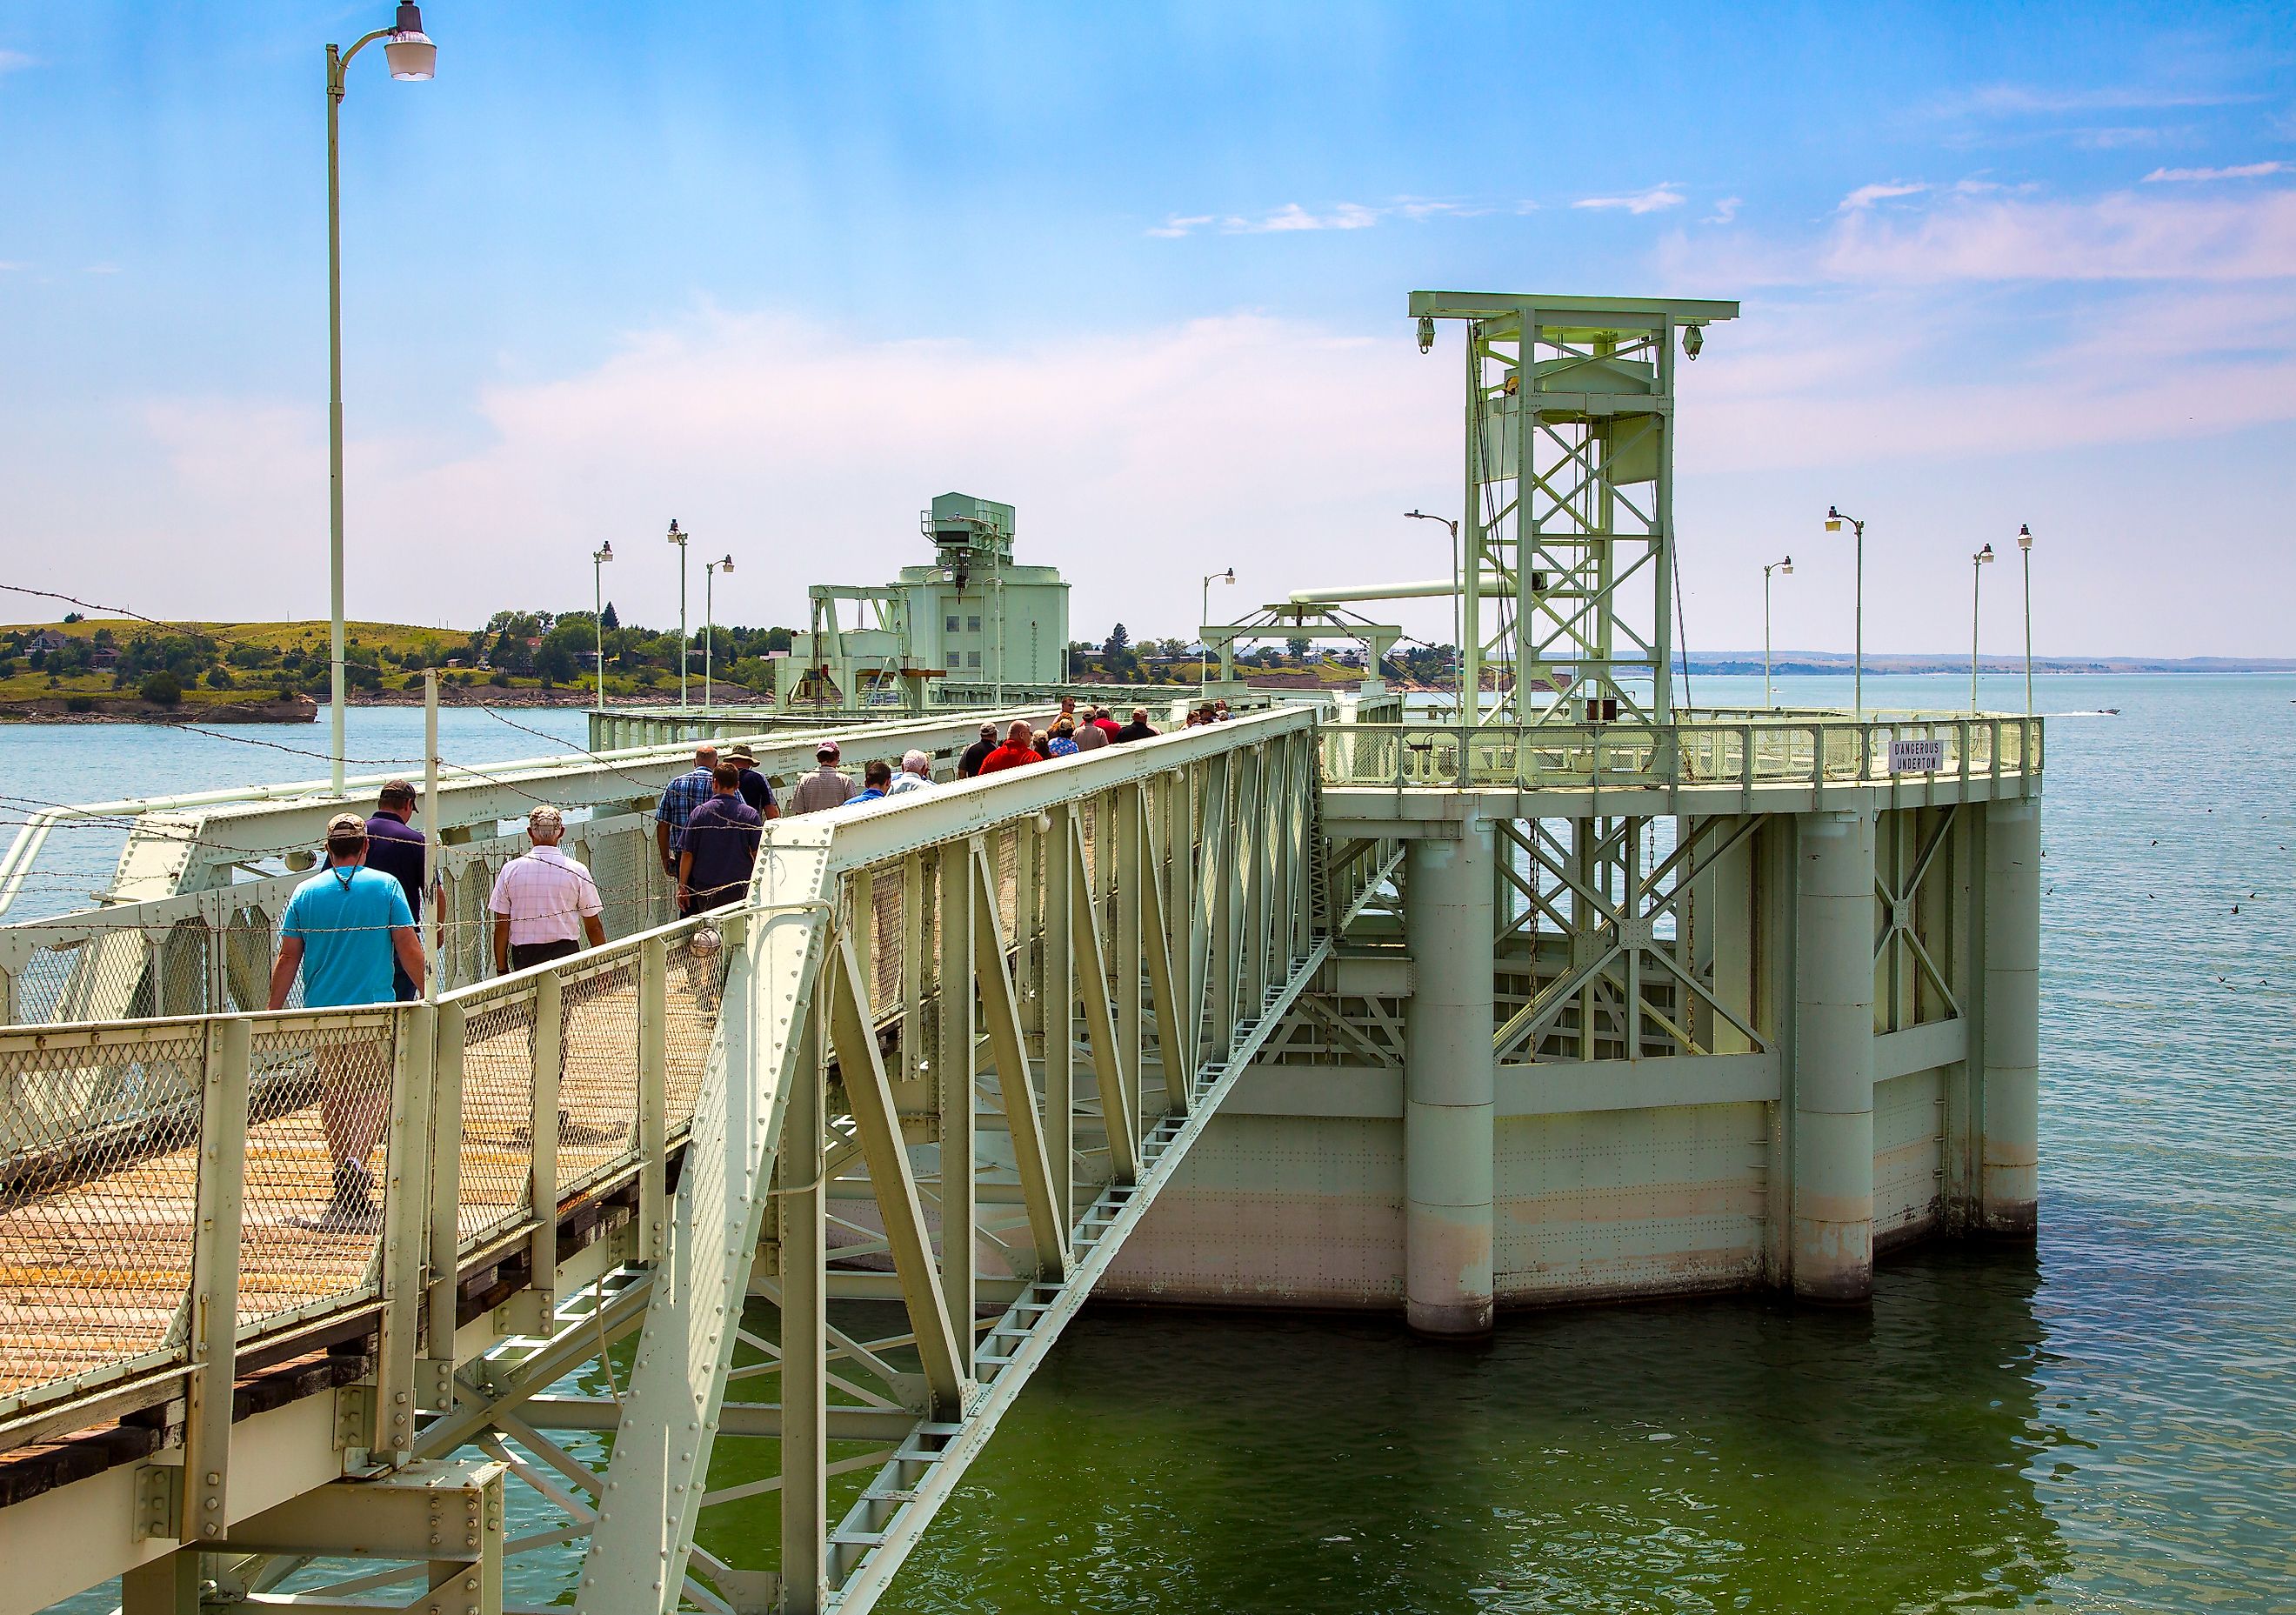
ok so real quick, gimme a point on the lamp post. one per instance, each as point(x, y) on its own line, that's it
point(598, 558)
point(2025, 550)
point(679, 540)
point(412, 56)
point(1458, 606)
point(1204, 651)
point(1786, 566)
point(1977, 565)
point(1833, 521)
point(709, 616)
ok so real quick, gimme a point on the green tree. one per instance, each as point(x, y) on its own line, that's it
point(161, 689)
point(1298, 645)
point(609, 622)
point(220, 677)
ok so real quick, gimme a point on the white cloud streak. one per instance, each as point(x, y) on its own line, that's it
point(1659, 196)
point(1866, 196)
point(14, 61)
point(2251, 170)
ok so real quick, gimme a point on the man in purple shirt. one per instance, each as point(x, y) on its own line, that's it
point(395, 847)
point(719, 847)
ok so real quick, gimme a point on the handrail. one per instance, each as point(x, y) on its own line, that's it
point(507, 1097)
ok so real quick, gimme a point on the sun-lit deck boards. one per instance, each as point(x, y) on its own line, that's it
point(96, 1271)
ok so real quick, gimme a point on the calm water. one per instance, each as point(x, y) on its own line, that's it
point(2109, 1424)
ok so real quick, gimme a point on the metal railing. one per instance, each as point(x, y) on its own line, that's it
point(135, 1155)
point(1718, 748)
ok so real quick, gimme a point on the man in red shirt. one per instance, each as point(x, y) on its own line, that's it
point(1103, 722)
point(1015, 751)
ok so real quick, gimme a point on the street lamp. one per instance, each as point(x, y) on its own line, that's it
point(1833, 521)
point(1458, 607)
point(679, 540)
point(1204, 651)
point(1786, 566)
point(2025, 548)
point(1977, 565)
point(598, 558)
point(411, 56)
point(708, 633)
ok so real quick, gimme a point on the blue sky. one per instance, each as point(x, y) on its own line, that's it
point(786, 273)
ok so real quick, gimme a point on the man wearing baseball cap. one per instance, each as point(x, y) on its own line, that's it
point(824, 787)
point(545, 903)
point(343, 929)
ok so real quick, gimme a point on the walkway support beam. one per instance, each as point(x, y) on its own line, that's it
point(1832, 1250)
point(2012, 1016)
point(1449, 1095)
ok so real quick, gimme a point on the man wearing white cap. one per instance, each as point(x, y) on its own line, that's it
point(824, 787)
point(545, 903)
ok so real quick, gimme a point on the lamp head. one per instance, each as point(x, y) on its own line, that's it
point(675, 536)
point(2024, 537)
point(1834, 520)
point(409, 50)
point(1787, 566)
point(604, 553)
point(1983, 556)
point(1426, 333)
point(725, 564)
point(1694, 338)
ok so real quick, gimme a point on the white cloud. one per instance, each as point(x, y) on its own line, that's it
point(1866, 196)
point(1138, 460)
point(1292, 216)
point(1725, 210)
point(1179, 225)
point(13, 61)
point(2249, 170)
point(2013, 100)
point(1661, 195)
point(2120, 237)
point(101, 269)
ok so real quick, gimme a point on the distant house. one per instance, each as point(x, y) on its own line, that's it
point(48, 639)
point(104, 656)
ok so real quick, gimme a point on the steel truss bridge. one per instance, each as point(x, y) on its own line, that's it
point(710, 1258)
point(820, 1179)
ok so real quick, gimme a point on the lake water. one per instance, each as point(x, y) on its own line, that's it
point(2105, 1422)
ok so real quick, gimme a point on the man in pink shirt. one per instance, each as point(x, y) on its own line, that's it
point(545, 903)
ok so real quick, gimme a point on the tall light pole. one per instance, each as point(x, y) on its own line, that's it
point(1204, 651)
point(679, 540)
point(709, 617)
point(598, 558)
point(412, 56)
point(1458, 600)
point(2025, 550)
point(1833, 521)
point(1786, 566)
point(1977, 565)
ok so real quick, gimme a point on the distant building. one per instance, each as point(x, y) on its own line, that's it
point(973, 618)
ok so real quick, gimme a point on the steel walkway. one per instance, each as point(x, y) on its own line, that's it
point(790, 1203)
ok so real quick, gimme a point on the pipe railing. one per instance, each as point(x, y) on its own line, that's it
point(1735, 749)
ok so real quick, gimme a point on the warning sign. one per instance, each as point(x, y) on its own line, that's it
point(1916, 756)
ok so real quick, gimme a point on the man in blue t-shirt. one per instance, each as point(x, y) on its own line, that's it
point(343, 929)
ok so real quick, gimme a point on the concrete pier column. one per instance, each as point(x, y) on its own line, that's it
point(1833, 1236)
point(1449, 1085)
point(2011, 1017)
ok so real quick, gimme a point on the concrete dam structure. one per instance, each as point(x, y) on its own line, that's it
point(1557, 989)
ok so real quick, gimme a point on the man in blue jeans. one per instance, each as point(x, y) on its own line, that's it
point(343, 929)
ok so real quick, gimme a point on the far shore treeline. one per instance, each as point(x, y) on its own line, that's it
point(130, 667)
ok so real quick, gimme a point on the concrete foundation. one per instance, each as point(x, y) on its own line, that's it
point(1448, 1085)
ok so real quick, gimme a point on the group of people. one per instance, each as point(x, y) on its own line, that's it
point(1071, 732)
point(349, 931)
